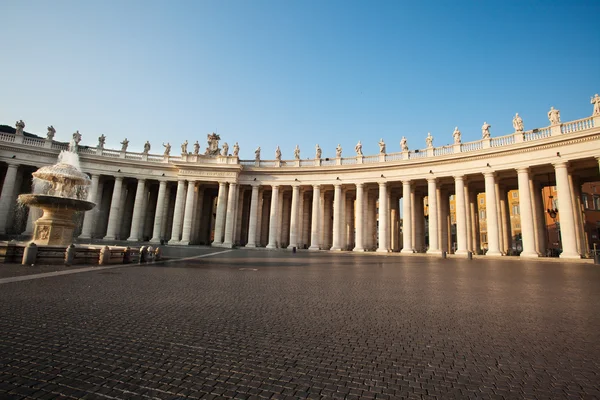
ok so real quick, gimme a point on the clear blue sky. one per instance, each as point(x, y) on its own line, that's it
point(265, 73)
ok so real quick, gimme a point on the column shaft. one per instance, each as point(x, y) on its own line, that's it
point(178, 213)
point(220, 218)
point(89, 217)
point(434, 246)
point(231, 206)
point(113, 215)
point(461, 218)
point(294, 217)
point(315, 242)
point(526, 214)
point(567, 220)
point(491, 215)
point(253, 217)
point(407, 229)
point(383, 219)
point(359, 217)
point(188, 220)
point(159, 215)
point(273, 218)
point(7, 195)
point(134, 235)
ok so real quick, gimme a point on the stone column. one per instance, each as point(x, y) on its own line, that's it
point(158, 216)
point(220, 219)
point(273, 218)
point(301, 241)
point(468, 215)
point(539, 219)
point(370, 212)
point(407, 230)
point(134, 235)
point(231, 205)
point(505, 221)
point(461, 218)
point(475, 234)
point(443, 216)
point(178, 212)
point(253, 217)
point(337, 216)
point(89, 217)
point(492, 215)
point(259, 217)
point(525, 207)
point(190, 201)
point(113, 214)
point(575, 188)
point(294, 217)
point(314, 226)
point(359, 222)
point(434, 246)
point(383, 219)
point(7, 195)
point(419, 227)
point(567, 222)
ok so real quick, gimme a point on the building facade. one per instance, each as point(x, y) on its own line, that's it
point(375, 202)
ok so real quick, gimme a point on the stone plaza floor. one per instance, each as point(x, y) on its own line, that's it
point(276, 325)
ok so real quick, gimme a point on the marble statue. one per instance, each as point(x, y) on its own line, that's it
point(278, 153)
point(554, 116)
point(101, 141)
point(429, 140)
point(146, 147)
point(596, 102)
point(225, 151)
point(196, 148)
point(518, 123)
point(297, 153)
point(318, 151)
point(338, 151)
point(485, 130)
point(184, 147)
point(167, 149)
point(51, 133)
point(124, 143)
point(74, 143)
point(236, 149)
point(358, 148)
point(213, 144)
point(404, 144)
point(257, 153)
point(20, 126)
point(381, 146)
point(456, 135)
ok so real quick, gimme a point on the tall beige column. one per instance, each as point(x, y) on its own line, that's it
point(253, 217)
point(231, 205)
point(220, 218)
point(525, 207)
point(337, 216)
point(259, 218)
point(294, 223)
point(443, 217)
point(492, 215)
point(461, 218)
point(159, 215)
point(359, 222)
point(178, 212)
point(407, 229)
point(505, 221)
point(301, 241)
point(383, 219)
point(567, 221)
point(539, 219)
point(475, 234)
point(113, 214)
point(190, 202)
point(134, 235)
point(419, 226)
point(468, 215)
point(434, 245)
point(315, 242)
point(7, 195)
point(273, 218)
point(371, 213)
point(89, 217)
point(575, 189)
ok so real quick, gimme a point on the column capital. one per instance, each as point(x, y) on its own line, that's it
point(432, 179)
point(384, 184)
point(317, 187)
point(561, 164)
point(295, 186)
point(522, 170)
point(459, 178)
point(360, 184)
point(141, 179)
point(222, 184)
point(274, 186)
point(192, 180)
point(337, 184)
point(255, 186)
point(119, 177)
point(489, 173)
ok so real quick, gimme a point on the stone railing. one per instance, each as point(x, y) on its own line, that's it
point(474, 146)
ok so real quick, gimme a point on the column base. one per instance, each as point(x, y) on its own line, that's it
point(227, 245)
point(79, 237)
point(313, 248)
point(494, 253)
point(109, 238)
point(271, 246)
point(183, 243)
point(250, 246)
point(132, 239)
point(382, 250)
point(406, 251)
point(291, 247)
point(335, 249)
point(173, 241)
point(462, 253)
point(570, 255)
point(529, 255)
point(436, 252)
point(154, 241)
point(358, 249)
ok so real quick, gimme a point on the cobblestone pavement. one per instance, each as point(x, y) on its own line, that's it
point(256, 324)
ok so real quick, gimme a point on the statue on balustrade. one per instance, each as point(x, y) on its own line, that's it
point(51, 133)
point(124, 143)
point(404, 144)
point(429, 140)
point(278, 154)
point(236, 149)
point(318, 152)
point(338, 151)
point(146, 147)
point(196, 148)
point(297, 153)
point(101, 141)
point(213, 144)
point(257, 153)
point(381, 146)
point(485, 130)
point(225, 149)
point(554, 116)
point(358, 149)
point(456, 135)
point(74, 143)
point(184, 148)
point(20, 125)
point(518, 123)
point(167, 149)
point(596, 102)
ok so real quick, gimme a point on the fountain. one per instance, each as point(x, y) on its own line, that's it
point(62, 186)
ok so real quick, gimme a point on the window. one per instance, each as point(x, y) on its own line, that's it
point(584, 200)
point(482, 214)
point(481, 200)
point(451, 207)
point(517, 225)
point(484, 237)
point(515, 194)
point(597, 202)
point(515, 209)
